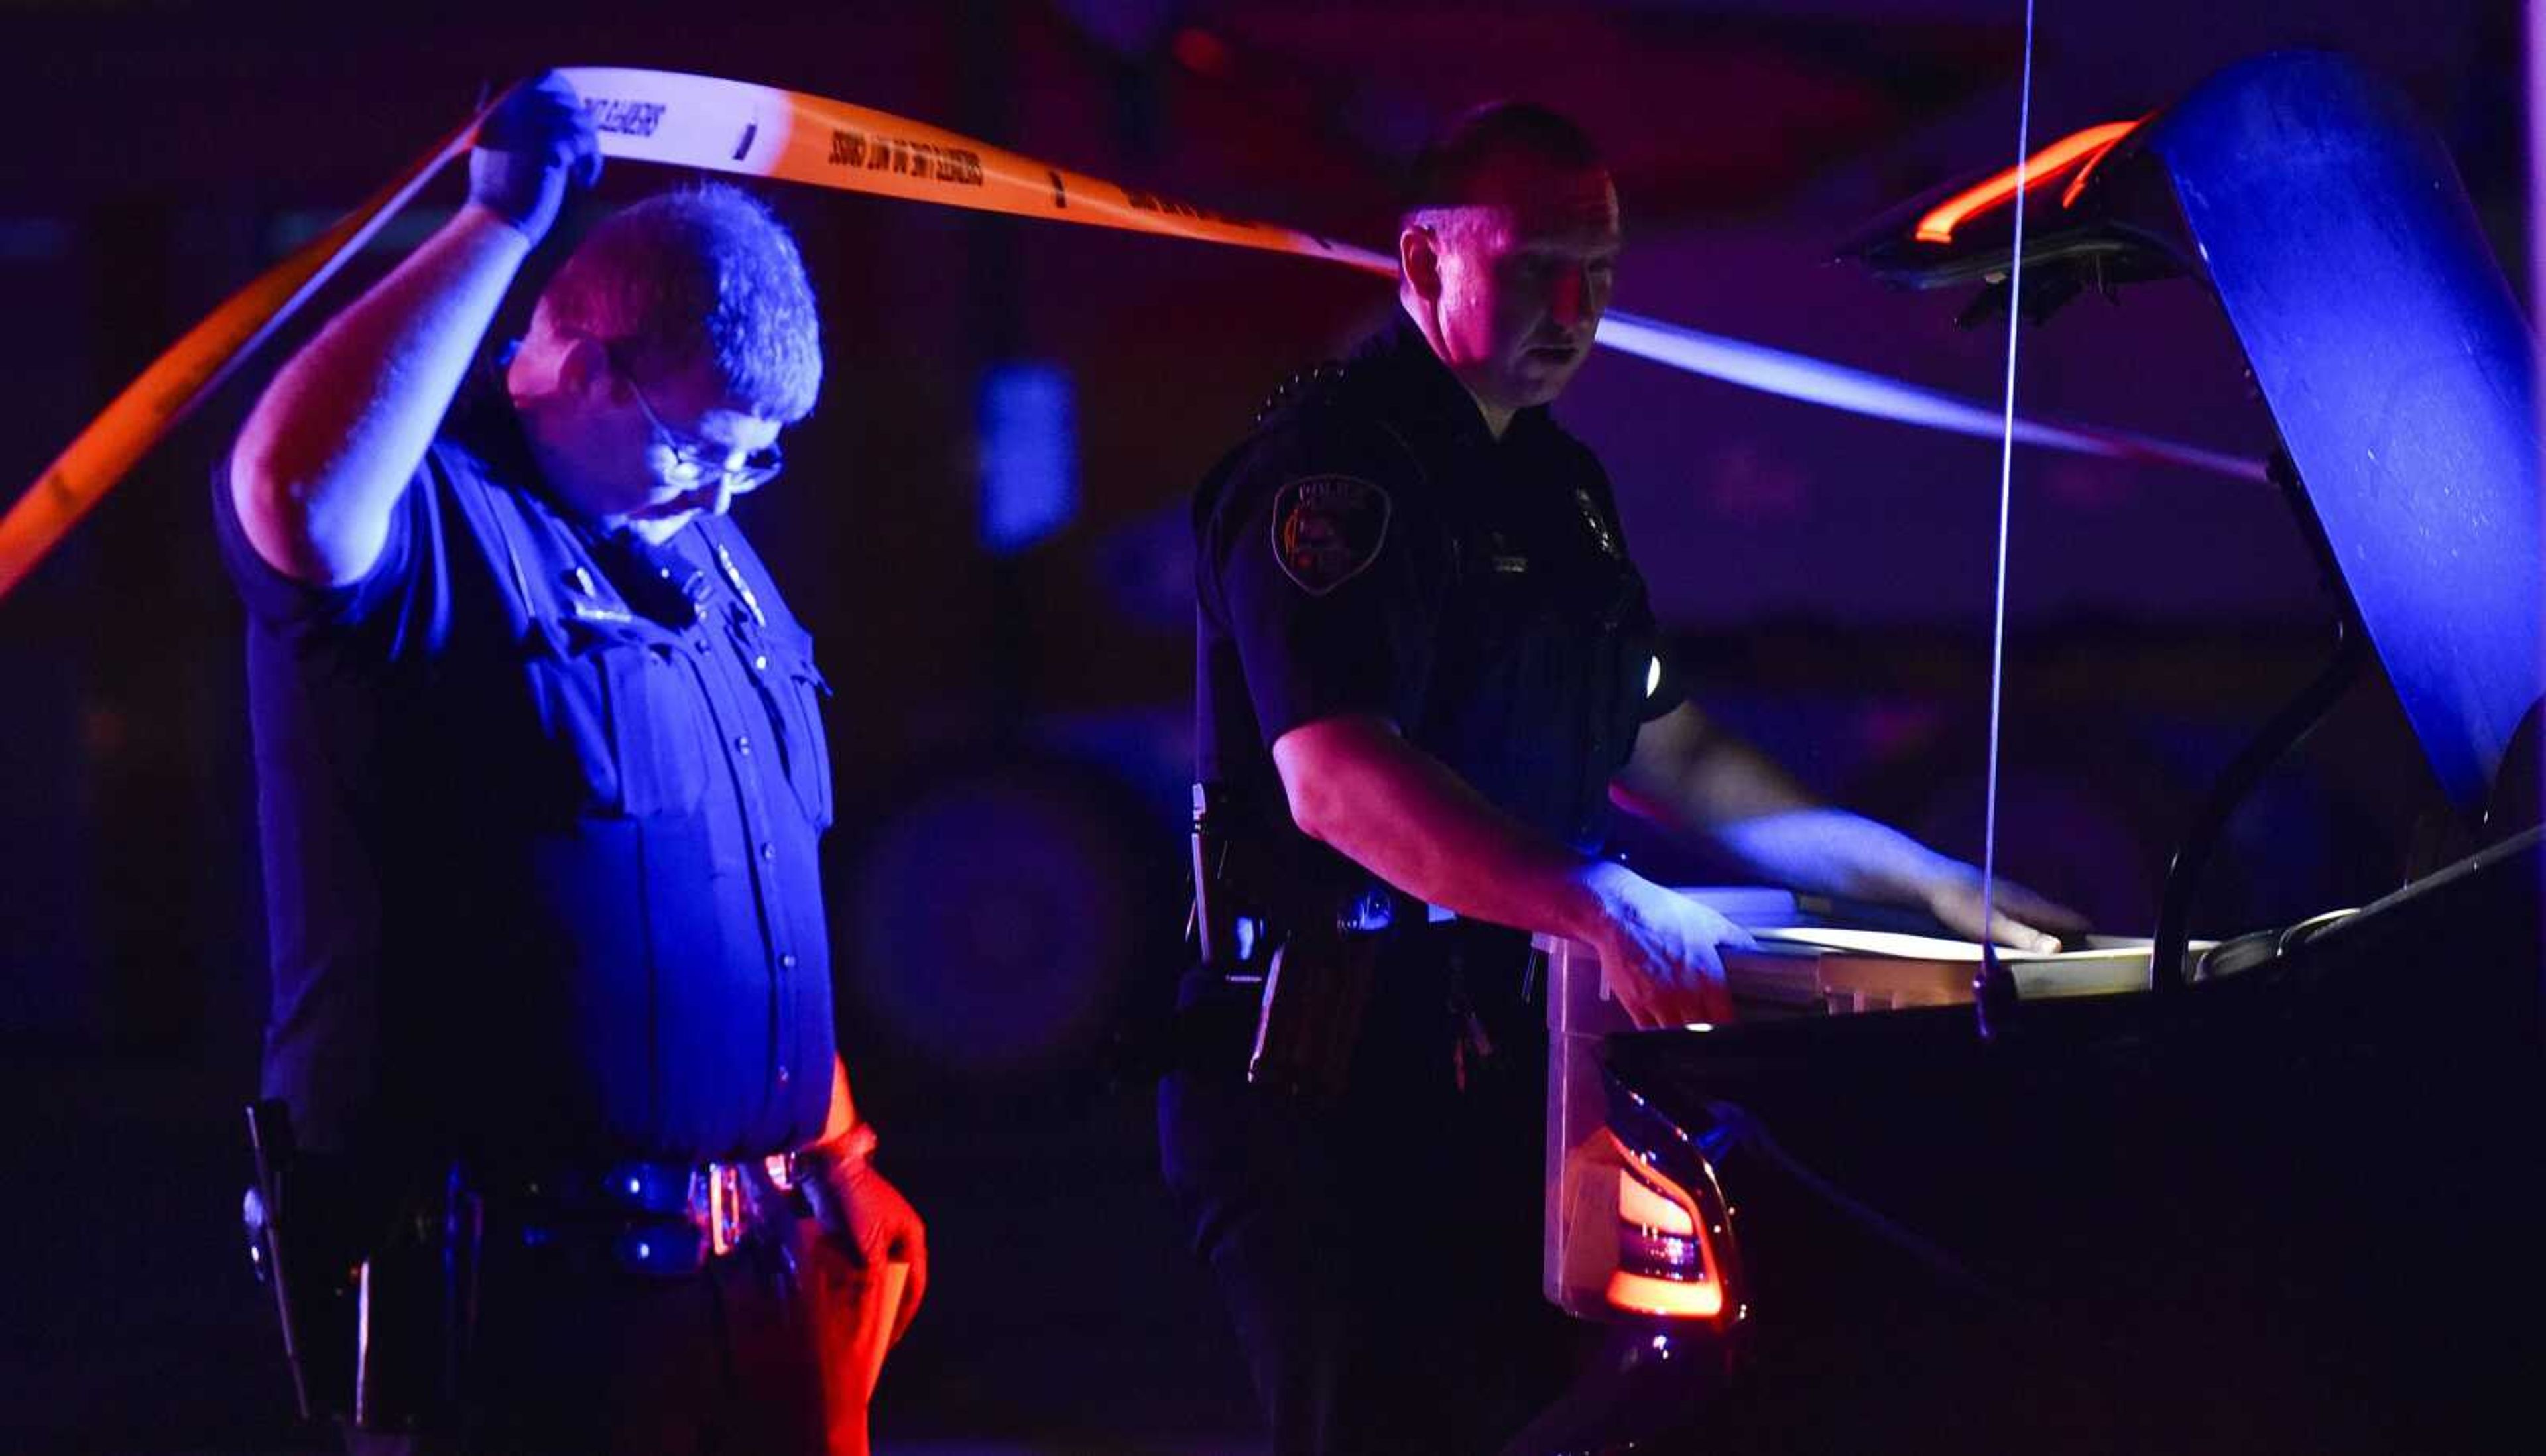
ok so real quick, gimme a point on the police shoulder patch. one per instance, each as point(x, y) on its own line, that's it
point(1328, 530)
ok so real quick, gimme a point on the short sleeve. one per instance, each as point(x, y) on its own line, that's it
point(294, 607)
point(1330, 566)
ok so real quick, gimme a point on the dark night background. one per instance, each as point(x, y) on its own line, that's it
point(1011, 728)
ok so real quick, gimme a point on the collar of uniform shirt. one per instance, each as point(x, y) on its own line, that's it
point(1437, 397)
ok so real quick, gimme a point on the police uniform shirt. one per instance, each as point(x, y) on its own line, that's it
point(540, 814)
point(1373, 549)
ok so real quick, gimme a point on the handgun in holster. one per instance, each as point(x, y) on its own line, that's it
point(1309, 940)
point(415, 1308)
point(1315, 994)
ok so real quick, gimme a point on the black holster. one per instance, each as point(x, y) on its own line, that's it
point(417, 1311)
point(1305, 924)
point(375, 1287)
point(1310, 1024)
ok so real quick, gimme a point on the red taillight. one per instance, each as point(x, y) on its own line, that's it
point(1670, 1298)
point(1669, 1266)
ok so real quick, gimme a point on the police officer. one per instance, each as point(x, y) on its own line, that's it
point(1428, 668)
point(542, 776)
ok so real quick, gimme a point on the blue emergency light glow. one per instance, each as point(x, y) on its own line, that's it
point(1028, 456)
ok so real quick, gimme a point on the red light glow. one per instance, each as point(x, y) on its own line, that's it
point(1642, 1294)
point(2077, 149)
point(1651, 1200)
point(1202, 52)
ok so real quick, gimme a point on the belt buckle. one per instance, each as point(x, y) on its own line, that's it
point(724, 1207)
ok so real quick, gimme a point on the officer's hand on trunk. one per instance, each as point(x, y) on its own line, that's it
point(1659, 952)
point(2019, 916)
point(874, 1223)
point(536, 140)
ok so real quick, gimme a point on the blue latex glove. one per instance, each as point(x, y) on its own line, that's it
point(536, 142)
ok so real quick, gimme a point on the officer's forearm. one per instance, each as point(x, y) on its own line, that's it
point(1687, 775)
point(329, 448)
point(1836, 852)
point(1356, 785)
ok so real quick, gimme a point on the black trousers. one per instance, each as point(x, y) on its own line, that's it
point(1380, 1258)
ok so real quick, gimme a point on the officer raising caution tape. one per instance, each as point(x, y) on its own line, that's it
point(1428, 668)
point(542, 775)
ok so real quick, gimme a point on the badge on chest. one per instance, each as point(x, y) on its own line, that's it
point(1601, 536)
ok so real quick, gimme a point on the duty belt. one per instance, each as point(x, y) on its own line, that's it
point(649, 1218)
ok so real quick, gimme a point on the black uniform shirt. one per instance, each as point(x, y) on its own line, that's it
point(1373, 549)
point(538, 836)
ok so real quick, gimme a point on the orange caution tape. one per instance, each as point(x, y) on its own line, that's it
point(684, 121)
point(732, 127)
point(177, 381)
point(720, 125)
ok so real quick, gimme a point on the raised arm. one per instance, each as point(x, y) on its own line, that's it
point(328, 450)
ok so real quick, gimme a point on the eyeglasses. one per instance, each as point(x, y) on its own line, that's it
point(689, 463)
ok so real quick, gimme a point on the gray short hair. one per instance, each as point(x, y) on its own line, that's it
point(704, 273)
point(1449, 171)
